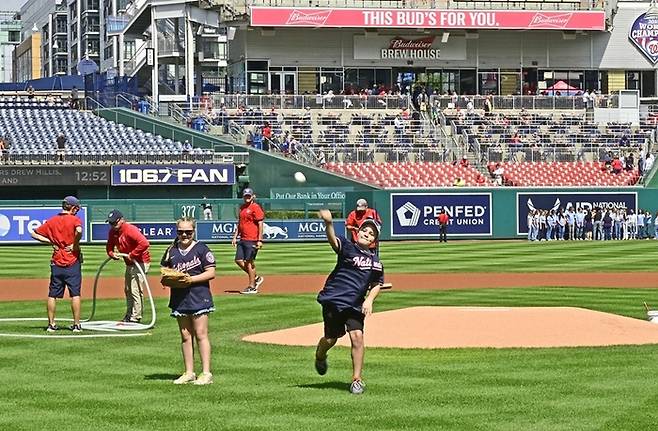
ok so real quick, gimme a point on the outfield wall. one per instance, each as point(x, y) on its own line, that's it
point(486, 213)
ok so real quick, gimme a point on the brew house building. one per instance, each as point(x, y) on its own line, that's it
point(309, 50)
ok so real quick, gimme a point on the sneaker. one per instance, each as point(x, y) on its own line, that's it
point(185, 378)
point(321, 366)
point(249, 290)
point(52, 328)
point(357, 387)
point(76, 328)
point(204, 379)
point(259, 280)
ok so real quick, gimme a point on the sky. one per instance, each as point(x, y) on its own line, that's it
point(12, 4)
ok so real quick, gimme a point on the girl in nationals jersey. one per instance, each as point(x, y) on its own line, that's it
point(191, 305)
point(348, 294)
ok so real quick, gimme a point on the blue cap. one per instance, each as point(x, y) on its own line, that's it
point(72, 201)
point(114, 216)
point(248, 192)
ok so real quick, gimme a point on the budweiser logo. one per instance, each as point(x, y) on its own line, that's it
point(316, 18)
point(553, 21)
point(422, 43)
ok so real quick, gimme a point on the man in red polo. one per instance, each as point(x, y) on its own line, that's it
point(63, 231)
point(443, 220)
point(356, 217)
point(250, 230)
point(128, 239)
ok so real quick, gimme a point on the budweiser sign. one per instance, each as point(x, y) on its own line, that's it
point(552, 21)
point(316, 18)
point(422, 43)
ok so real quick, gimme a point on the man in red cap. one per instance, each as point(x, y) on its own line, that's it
point(63, 231)
point(250, 230)
point(356, 217)
point(128, 239)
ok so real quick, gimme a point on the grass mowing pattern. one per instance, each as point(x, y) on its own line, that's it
point(398, 257)
point(118, 384)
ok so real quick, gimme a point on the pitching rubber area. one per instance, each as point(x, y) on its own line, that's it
point(498, 327)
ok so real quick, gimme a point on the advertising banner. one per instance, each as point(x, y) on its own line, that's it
point(154, 232)
point(526, 202)
point(274, 230)
point(178, 175)
point(17, 223)
point(408, 48)
point(222, 230)
point(427, 18)
point(415, 215)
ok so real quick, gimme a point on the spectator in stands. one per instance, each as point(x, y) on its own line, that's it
point(459, 182)
point(74, 103)
point(625, 140)
point(463, 163)
point(498, 174)
point(648, 162)
point(629, 162)
point(617, 166)
point(257, 140)
point(607, 161)
point(61, 147)
point(488, 105)
point(481, 181)
point(4, 150)
point(186, 150)
point(30, 92)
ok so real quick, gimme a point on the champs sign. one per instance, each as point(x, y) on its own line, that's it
point(411, 49)
point(644, 34)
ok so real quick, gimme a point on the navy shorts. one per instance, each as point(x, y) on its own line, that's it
point(337, 323)
point(246, 250)
point(65, 276)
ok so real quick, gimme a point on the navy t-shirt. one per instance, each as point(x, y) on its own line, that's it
point(193, 261)
point(356, 269)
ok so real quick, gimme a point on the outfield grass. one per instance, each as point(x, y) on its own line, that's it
point(398, 257)
point(120, 384)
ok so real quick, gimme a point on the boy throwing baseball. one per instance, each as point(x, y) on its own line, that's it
point(348, 294)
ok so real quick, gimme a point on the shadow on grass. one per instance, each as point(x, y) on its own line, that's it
point(342, 386)
point(161, 376)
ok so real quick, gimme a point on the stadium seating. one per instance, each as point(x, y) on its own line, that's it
point(421, 174)
point(562, 174)
point(32, 129)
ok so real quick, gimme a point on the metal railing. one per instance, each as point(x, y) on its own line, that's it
point(387, 153)
point(548, 103)
point(527, 153)
point(318, 101)
point(136, 61)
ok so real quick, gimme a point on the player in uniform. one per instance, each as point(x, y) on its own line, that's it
point(207, 209)
point(191, 305)
point(250, 231)
point(128, 239)
point(63, 231)
point(443, 220)
point(356, 217)
point(348, 294)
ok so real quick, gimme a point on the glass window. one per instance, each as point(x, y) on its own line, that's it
point(383, 78)
point(257, 82)
point(488, 82)
point(366, 78)
point(351, 81)
point(632, 80)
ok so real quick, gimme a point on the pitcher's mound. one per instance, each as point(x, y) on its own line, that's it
point(446, 327)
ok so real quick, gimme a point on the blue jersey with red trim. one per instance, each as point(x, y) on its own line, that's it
point(356, 269)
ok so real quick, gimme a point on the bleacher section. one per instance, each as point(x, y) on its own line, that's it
point(421, 174)
point(534, 174)
point(31, 128)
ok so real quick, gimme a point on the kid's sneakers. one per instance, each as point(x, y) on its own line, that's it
point(321, 366)
point(76, 328)
point(204, 379)
point(52, 328)
point(357, 387)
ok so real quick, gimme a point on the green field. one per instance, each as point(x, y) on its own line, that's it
point(124, 383)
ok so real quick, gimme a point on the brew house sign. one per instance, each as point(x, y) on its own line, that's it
point(411, 49)
point(404, 48)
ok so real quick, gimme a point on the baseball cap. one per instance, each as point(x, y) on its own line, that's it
point(361, 204)
point(71, 200)
point(248, 192)
point(114, 216)
point(372, 223)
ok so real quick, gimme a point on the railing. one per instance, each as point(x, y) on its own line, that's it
point(242, 6)
point(154, 157)
point(549, 103)
point(139, 58)
point(319, 101)
point(356, 154)
point(134, 7)
point(527, 153)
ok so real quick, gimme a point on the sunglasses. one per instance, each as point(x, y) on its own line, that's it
point(185, 232)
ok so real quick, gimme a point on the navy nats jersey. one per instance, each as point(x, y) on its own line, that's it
point(194, 262)
point(356, 269)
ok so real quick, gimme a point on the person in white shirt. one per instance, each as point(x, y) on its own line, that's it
point(640, 224)
point(631, 222)
point(580, 224)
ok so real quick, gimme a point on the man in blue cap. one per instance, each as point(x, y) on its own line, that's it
point(250, 230)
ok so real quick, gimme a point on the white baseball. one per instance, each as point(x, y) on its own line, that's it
point(300, 177)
